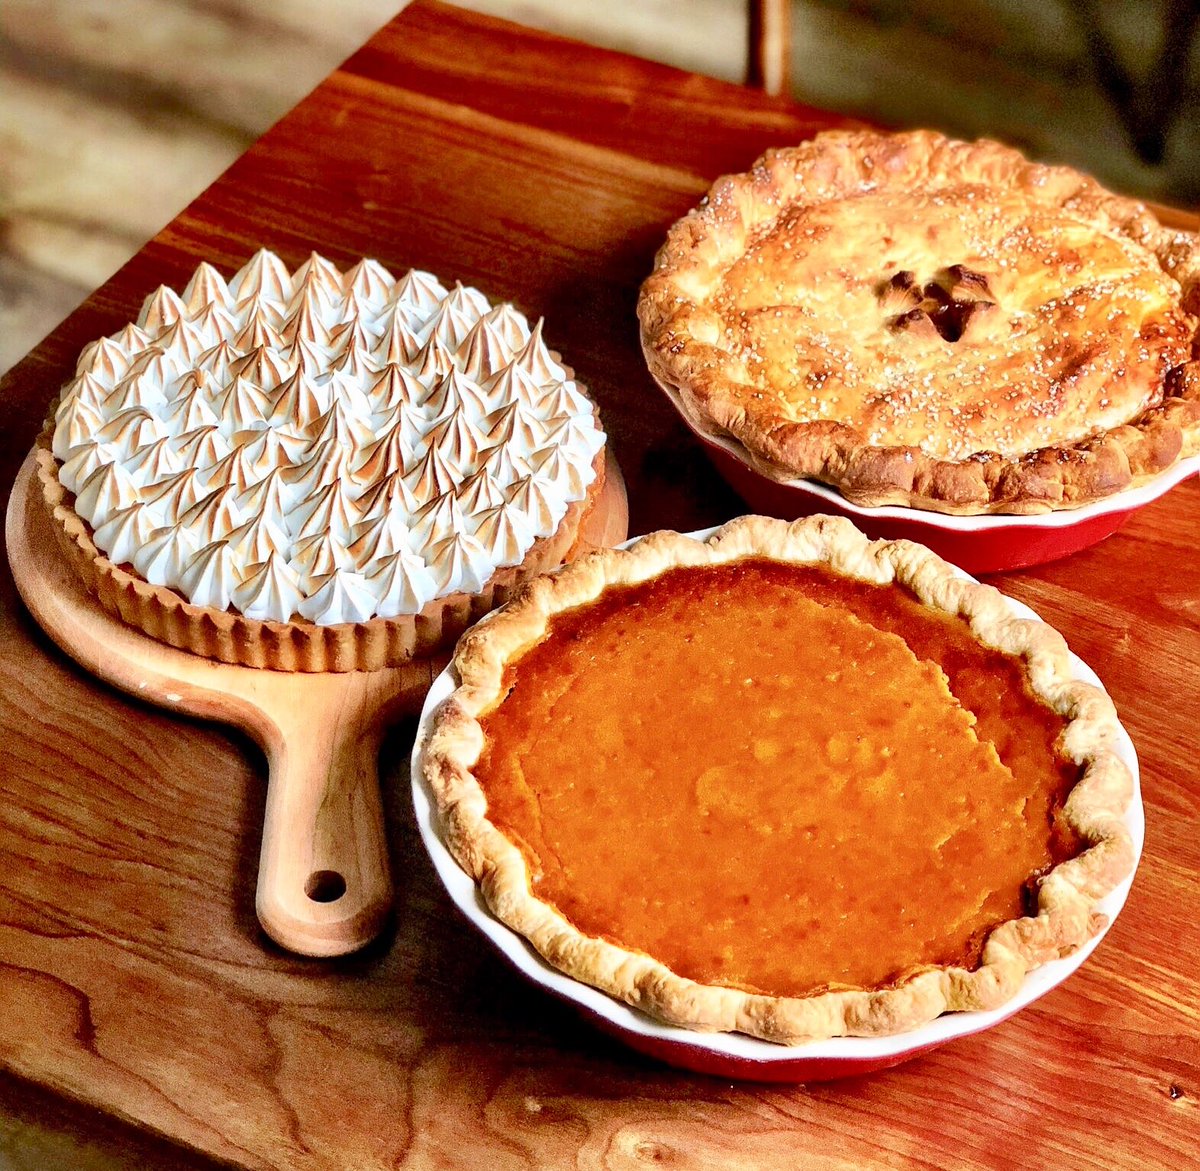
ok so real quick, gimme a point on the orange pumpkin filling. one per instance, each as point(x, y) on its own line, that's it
point(774, 778)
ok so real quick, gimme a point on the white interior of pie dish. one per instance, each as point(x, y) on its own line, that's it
point(1124, 501)
point(737, 1047)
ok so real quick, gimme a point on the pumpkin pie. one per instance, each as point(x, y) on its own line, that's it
point(783, 781)
point(316, 469)
point(924, 322)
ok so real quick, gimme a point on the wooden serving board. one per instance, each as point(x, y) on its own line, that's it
point(324, 883)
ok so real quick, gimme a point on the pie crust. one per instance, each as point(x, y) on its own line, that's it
point(924, 322)
point(1066, 896)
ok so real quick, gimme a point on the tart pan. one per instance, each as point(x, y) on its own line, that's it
point(732, 1055)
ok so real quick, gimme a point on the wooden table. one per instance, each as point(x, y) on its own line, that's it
point(134, 980)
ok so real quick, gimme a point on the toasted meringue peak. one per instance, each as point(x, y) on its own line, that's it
point(85, 389)
point(479, 493)
point(401, 583)
point(482, 351)
point(78, 424)
point(107, 361)
point(207, 287)
point(505, 465)
point(370, 281)
point(161, 560)
point(536, 499)
point(125, 532)
point(83, 461)
point(132, 429)
point(243, 406)
point(306, 437)
point(329, 511)
point(344, 596)
point(236, 471)
point(510, 325)
point(397, 345)
point(341, 425)
point(156, 461)
point(433, 361)
point(430, 476)
point(420, 290)
point(214, 516)
point(380, 536)
point(454, 390)
point(318, 555)
point(107, 490)
point(157, 367)
point(434, 520)
point(169, 498)
point(394, 384)
point(217, 361)
point(512, 384)
point(271, 593)
point(183, 339)
point(268, 500)
point(327, 463)
point(300, 401)
point(504, 532)
point(257, 540)
point(319, 272)
point(263, 364)
point(387, 496)
point(161, 308)
point(202, 446)
point(214, 322)
point(210, 577)
point(456, 440)
point(552, 465)
point(190, 410)
point(459, 564)
point(390, 453)
point(134, 390)
point(536, 360)
point(514, 425)
point(264, 276)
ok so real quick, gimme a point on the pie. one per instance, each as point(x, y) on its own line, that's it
point(783, 781)
point(930, 323)
point(318, 470)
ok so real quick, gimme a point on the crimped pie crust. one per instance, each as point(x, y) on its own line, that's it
point(298, 645)
point(924, 322)
point(1066, 898)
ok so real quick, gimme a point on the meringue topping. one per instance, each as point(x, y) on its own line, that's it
point(323, 444)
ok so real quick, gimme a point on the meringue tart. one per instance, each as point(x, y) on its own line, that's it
point(317, 470)
point(784, 781)
point(929, 323)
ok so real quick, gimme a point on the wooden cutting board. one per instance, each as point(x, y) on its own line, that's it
point(324, 883)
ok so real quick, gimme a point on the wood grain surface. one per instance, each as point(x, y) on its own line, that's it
point(133, 976)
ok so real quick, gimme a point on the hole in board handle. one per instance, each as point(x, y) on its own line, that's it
point(325, 886)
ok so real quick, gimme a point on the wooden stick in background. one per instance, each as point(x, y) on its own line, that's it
point(770, 46)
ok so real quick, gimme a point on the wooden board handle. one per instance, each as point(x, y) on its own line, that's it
point(324, 885)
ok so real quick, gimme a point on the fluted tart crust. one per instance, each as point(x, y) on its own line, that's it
point(724, 782)
point(925, 322)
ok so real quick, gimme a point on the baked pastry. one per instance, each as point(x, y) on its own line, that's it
point(799, 784)
point(931, 323)
point(317, 470)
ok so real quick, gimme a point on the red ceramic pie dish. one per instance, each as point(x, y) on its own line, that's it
point(978, 544)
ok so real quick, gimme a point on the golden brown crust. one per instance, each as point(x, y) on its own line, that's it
point(299, 645)
point(1067, 896)
point(930, 323)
